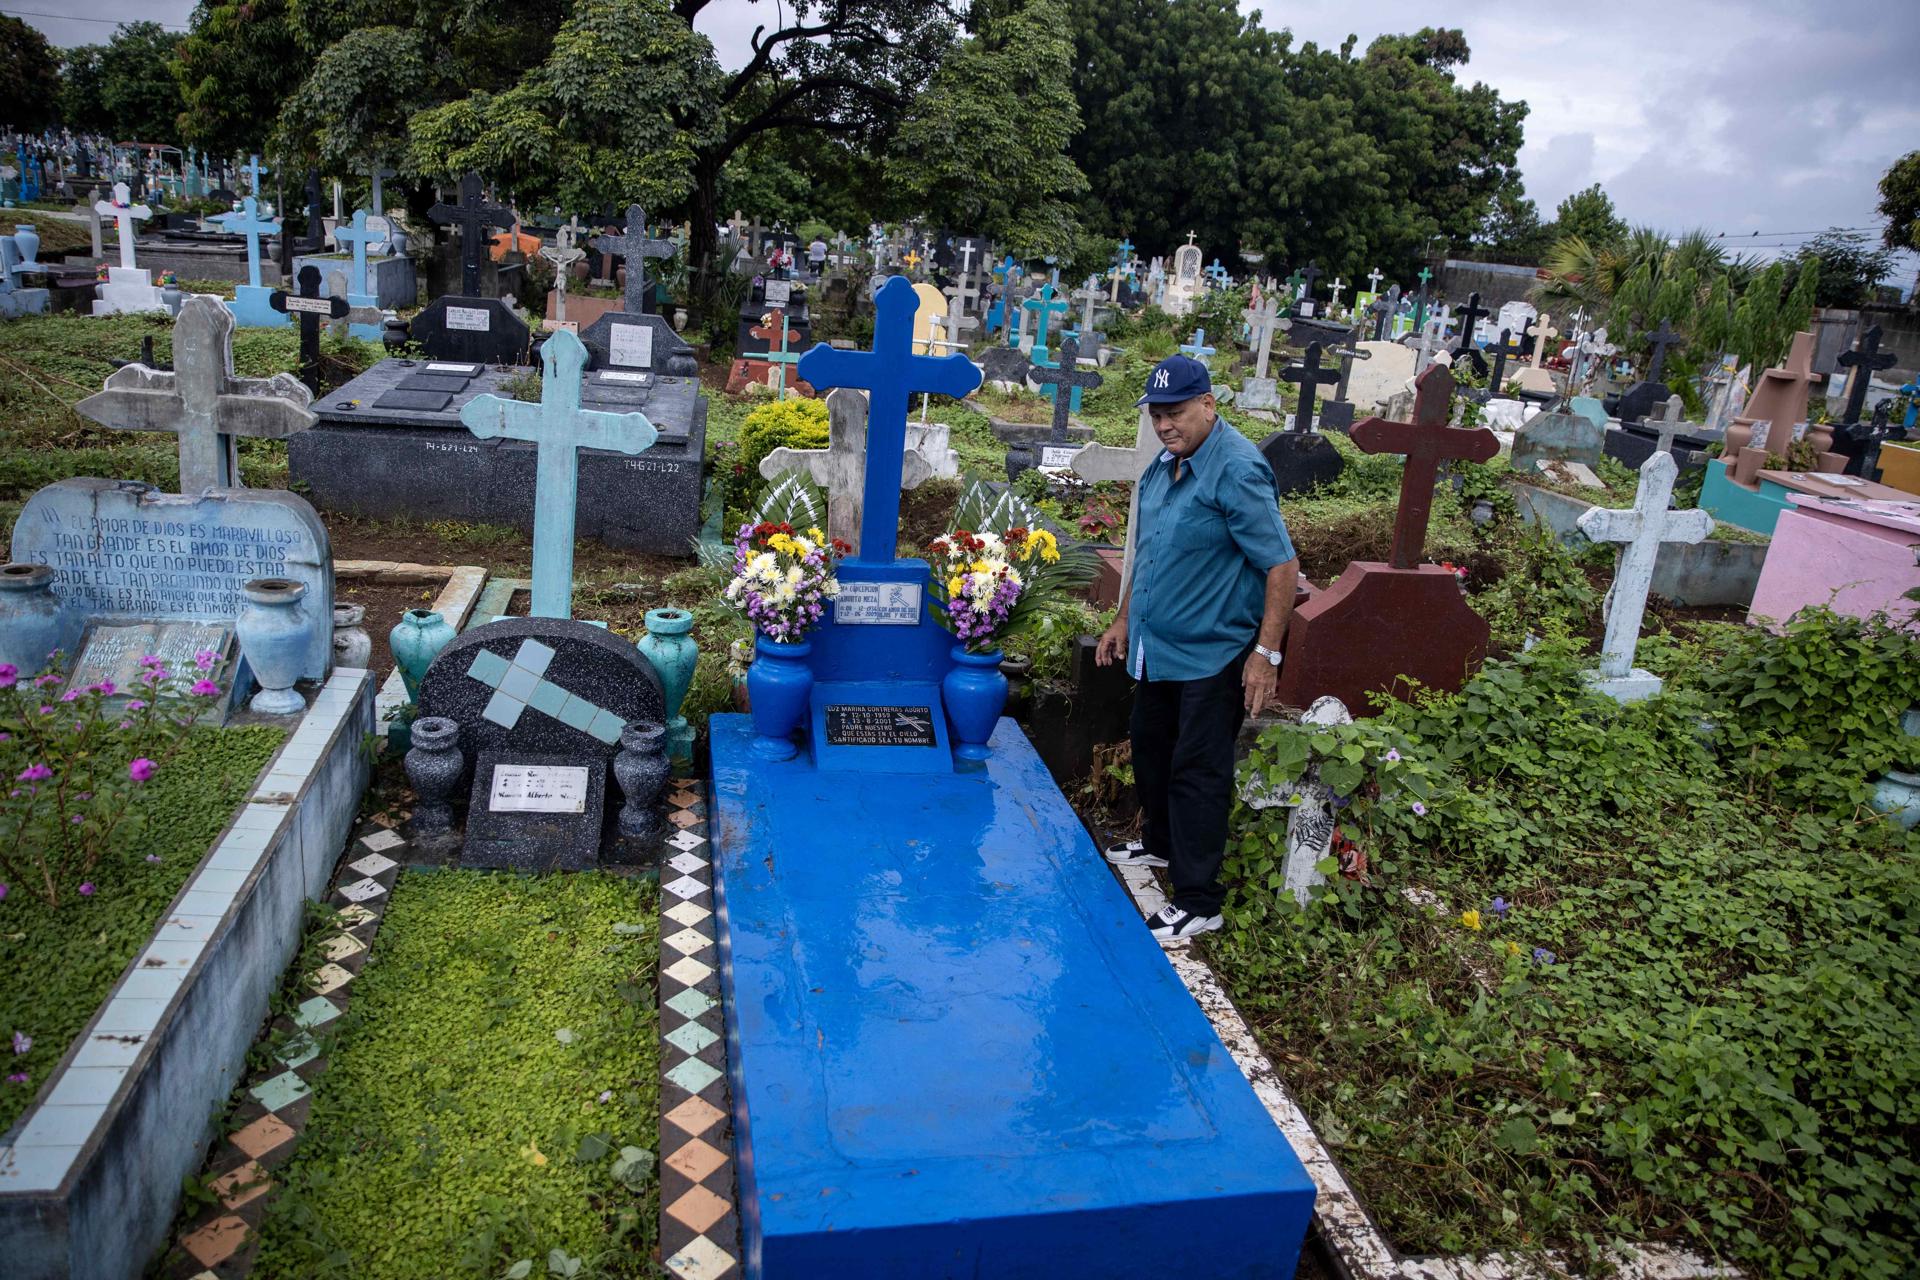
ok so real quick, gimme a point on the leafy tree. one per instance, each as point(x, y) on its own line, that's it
point(1900, 202)
point(595, 125)
point(1589, 216)
point(1512, 231)
point(240, 60)
point(29, 76)
point(1846, 267)
point(983, 147)
point(125, 87)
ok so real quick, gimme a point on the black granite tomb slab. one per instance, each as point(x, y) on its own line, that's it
point(1301, 460)
point(1336, 415)
point(1639, 400)
point(480, 330)
point(1634, 445)
point(414, 401)
point(643, 343)
point(536, 841)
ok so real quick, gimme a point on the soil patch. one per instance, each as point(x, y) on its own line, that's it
point(384, 602)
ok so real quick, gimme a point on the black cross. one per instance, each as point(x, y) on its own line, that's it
point(1068, 375)
point(1659, 341)
point(1526, 331)
point(1307, 276)
point(316, 215)
point(1309, 375)
point(1507, 348)
point(1471, 313)
point(1864, 358)
point(309, 304)
point(473, 216)
point(636, 249)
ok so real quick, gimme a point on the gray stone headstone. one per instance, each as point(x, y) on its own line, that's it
point(1558, 437)
point(126, 552)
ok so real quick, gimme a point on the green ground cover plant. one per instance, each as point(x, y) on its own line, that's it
point(62, 960)
point(496, 1062)
point(1668, 991)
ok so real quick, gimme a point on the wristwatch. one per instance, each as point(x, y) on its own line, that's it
point(1271, 655)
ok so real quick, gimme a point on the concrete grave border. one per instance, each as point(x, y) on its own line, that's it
point(91, 1176)
point(1355, 1244)
point(1694, 575)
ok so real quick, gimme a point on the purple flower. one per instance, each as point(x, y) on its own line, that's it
point(9, 675)
point(86, 888)
point(126, 724)
point(76, 819)
point(136, 705)
point(153, 675)
point(21, 1042)
point(6, 737)
point(71, 695)
point(34, 773)
point(205, 689)
point(204, 659)
point(18, 1077)
point(1543, 956)
point(41, 682)
point(1393, 755)
point(152, 660)
point(3, 890)
point(1500, 907)
point(105, 688)
point(1419, 810)
point(46, 711)
point(141, 769)
point(153, 857)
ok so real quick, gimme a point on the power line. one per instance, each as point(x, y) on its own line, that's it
point(1773, 235)
point(69, 17)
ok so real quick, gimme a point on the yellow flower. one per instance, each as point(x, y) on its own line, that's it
point(1513, 948)
point(532, 1152)
point(817, 536)
point(956, 585)
point(1471, 919)
point(781, 542)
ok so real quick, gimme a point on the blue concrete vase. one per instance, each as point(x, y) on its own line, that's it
point(415, 643)
point(272, 630)
point(975, 692)
point(670, 647)
point(779, 686)
point(1897, 795)
point(33, 620)
point(28, 240)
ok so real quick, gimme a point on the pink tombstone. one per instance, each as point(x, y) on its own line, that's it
point(1779, 401)
point(1855, 555)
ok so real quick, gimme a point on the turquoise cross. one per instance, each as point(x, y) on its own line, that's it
point(778, 359)
point(1198, 348)
point(359, 237)
point(254, 169)
point(523, 683)
point(561, 428)
point(1044, 307)
point(250, 224)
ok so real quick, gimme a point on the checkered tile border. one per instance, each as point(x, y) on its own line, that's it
point(699, 1207)
point(218, 1242)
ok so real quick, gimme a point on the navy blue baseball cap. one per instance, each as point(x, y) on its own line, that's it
point(1175, 379)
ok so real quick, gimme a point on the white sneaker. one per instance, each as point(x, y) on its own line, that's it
point(1171, 924)
point(1131, 853)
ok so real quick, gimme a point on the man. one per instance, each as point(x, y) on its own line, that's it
point(817, 255)
point(1200, 629)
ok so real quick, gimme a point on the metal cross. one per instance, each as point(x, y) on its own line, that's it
point(1067, 373)
point(1311, 377)
point(560, 428)
point(200, 400)
point(1427, 442)
point(891, 373)
point(1308, 275)
point(473, 216)
point(1659, 342)
point(309, 304)
point(636, 248)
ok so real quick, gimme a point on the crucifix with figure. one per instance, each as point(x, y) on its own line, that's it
point(473, 215)
point(891, 374)
point(1384, 627)
point(560, 428)
point(562, 253)
point(635, 247)
point(201, 401)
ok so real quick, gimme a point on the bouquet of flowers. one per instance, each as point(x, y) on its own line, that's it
point(782, 580)
point(979, 582)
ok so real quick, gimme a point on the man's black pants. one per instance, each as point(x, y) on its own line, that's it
point(1183, 736)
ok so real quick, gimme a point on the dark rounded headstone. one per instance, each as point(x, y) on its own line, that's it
point(1301, 460)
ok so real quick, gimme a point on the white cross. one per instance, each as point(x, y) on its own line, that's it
point(1098, 462)
point(1335, 289)
point(1543, 341)
point(1090, 293)
point(1642, 530)
point(562, 254)
point(123, 215)
point(841, 467)
point(1260, 322)
point(1373, 279)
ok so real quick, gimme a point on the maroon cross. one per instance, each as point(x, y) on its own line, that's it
point(1427, 441)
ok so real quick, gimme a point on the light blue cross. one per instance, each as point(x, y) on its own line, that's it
point(359, 237)
point(523, 683)
point(254, 169)
point(561, 428)
point(1198, 348)
point(1219, 274)
point(250, 224)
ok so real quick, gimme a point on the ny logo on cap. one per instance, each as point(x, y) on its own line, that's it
point(1160, 378)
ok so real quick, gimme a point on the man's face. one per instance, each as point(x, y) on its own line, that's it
point(1183, 427)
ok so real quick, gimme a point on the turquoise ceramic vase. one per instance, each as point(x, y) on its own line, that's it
point(779, 685)
point(416, 642)
point(975, 692)
point(670, 647)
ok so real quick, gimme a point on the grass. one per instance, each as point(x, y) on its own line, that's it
point(500, 1049)
point(62, 961)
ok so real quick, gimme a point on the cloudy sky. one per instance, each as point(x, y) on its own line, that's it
point(1769, 116)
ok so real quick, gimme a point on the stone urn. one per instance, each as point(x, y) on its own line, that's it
point(34, 622)
point(29, 241)
point(434, 766)
point(416, 642)
point(642, 770)
point(670, 647)
point(272, 630)
point(352, 646)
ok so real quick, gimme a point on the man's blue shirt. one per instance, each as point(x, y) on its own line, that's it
point(1201, 556)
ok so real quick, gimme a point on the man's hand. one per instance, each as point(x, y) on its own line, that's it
point(1258, 678)
point(1113, 644)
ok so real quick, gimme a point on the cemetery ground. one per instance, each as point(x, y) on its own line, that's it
point(1589, 974)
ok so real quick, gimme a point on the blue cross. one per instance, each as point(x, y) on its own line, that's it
point(1198, 348)
point(1123, 252)
point(359, 237)
point(1044, 306)
point(250, 224)
point(890, 373)
point(1218, 274)
point(254, 169)
point(523, 683)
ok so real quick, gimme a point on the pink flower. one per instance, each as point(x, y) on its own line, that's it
point(6, 737)
point(204, 659)
point(105, 688)
point(153, 857)
point(153, 675)
point(205, 689)
point(86, 888)
point(126, 724)
point(136, 705)
point(46, 711)
point(141, 769)
point(151, 660)
point(41, 682)
point(34, 773)
point(9, 675)
point(18, 1077)
point(71, 695)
